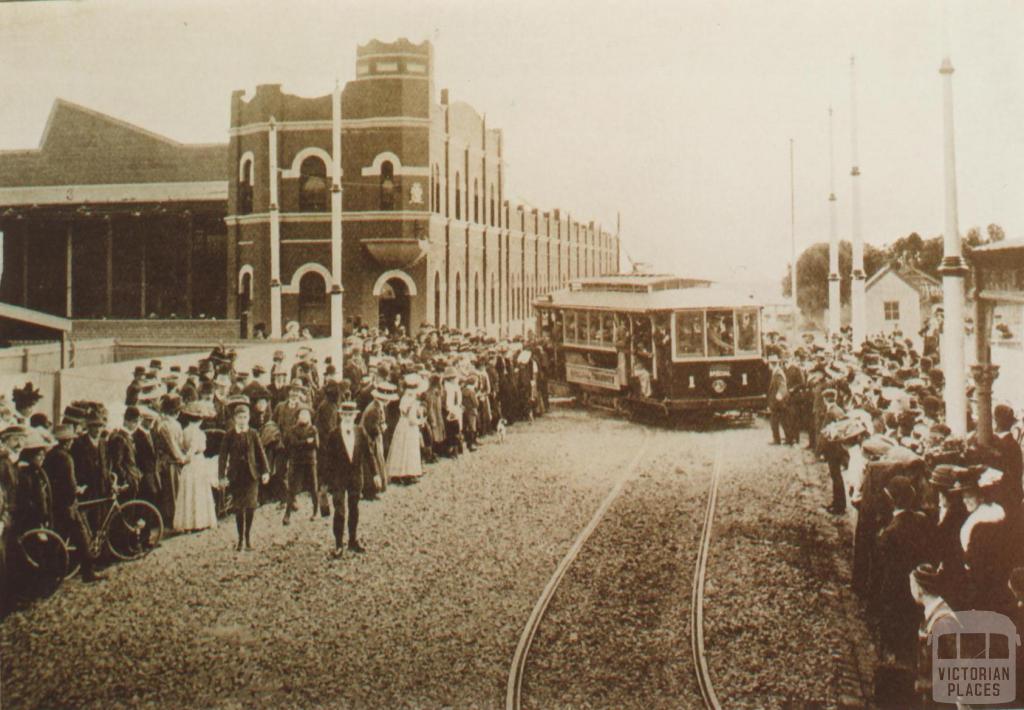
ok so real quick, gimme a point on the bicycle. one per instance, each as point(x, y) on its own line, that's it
point(129, 531)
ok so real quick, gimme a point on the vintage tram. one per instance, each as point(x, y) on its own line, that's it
point(657, 344)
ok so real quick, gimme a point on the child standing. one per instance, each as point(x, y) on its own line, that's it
point(244, 464)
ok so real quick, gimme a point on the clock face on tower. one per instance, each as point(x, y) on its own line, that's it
point(416, 194)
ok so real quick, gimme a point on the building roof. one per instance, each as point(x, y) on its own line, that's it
point(1004, 245)
point(921, 282)
point(636, 282)
point(83, 147)
point(38, 318)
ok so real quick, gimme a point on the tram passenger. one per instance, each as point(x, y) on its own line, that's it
point(720, 335)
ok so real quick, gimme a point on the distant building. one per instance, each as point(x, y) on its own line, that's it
point(107, 220)
point(999, 289)
point(901, 299)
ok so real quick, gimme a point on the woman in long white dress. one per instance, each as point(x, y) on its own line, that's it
point(404, 455)
point(194, 507)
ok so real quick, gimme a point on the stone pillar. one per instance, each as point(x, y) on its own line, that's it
point(275, 237)
point(984, 376)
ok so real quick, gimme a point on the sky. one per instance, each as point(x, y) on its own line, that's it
point(675, 115)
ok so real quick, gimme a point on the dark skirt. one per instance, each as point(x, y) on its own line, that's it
point(244, 494)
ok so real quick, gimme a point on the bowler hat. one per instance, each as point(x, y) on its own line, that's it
point(928, 578)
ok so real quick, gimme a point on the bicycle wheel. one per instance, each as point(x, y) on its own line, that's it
point(45, 554)
point(135, 529)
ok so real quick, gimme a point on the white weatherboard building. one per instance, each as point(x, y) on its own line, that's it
point(900, 299)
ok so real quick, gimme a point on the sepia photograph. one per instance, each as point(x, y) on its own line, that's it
point(512, 354)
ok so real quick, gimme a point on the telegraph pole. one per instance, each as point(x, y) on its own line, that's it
point(834, 301)
point(857, 299)
point(953, 268)
point(792, 244)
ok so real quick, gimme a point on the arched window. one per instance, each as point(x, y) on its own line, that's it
point(313, 185)
point(458, 300)
point(245, 188)
point(476, 200)
point(458, 197)
point(437, 298)
point(387, 185)
point(476, 300)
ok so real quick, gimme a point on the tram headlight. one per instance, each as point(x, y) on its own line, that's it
point(718, 386)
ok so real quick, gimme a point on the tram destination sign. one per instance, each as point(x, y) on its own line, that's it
point(597, 376)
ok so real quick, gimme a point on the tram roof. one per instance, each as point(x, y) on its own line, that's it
point(636, 282)
point(666, 300)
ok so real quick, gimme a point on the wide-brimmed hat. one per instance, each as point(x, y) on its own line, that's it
point(13, 430)
point(944, 476)
point(928, 577)
point(34, 440)
point(64, 432)
point(348, 406)
point(200, 409)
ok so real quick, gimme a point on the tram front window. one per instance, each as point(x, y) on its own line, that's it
point(746, 330)
point(689, 334)
point(721, 341)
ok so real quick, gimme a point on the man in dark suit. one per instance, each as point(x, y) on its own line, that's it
point(797, 383)
point(902, 546)
point(145, 456)
point(1008, 460)
point(778, 396)
point(121, 454)
point(67, 519)
point(91, 466)
point(345, 475)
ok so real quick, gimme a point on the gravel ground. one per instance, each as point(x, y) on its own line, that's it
point(428, 618)
point(617, 632)
point(782, 628)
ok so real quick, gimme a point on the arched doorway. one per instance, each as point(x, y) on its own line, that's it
point(393, 305)
point(313, 310)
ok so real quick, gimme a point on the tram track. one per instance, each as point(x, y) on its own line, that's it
point(514, 691)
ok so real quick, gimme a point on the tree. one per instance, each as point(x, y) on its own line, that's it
point(909, 251)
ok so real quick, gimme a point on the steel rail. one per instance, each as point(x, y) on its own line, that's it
point(700, 663)
point(513, 696)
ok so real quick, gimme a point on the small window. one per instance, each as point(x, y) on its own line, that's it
point(747, 330)
point(721, 334)
point(387, 185)
point(892, 310)
point(245, 189)
point(689, 334)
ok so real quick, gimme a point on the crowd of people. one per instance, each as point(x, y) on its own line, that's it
point(202, 440)
point(939, 517)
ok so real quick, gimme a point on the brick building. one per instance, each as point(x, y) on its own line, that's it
point(106, 222)
point(419, 227)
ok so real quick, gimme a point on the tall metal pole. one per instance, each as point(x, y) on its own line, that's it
point(275, 235)
point(834, 298)
point(337, 316)
point(953, 268)
point(857, 300)
point(792, 244)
